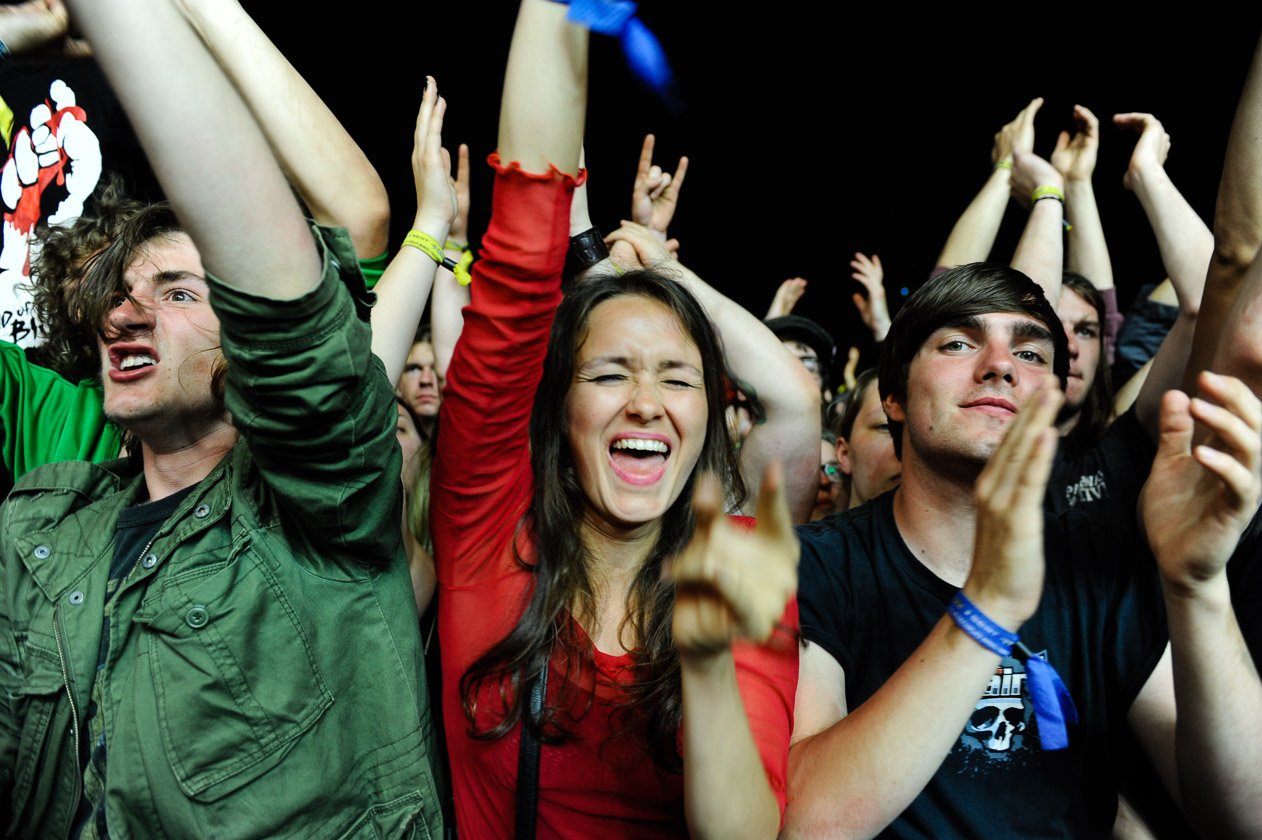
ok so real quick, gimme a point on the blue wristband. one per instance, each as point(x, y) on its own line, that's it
point(1053, 707)
point(979, 627)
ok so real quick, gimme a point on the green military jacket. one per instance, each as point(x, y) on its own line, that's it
point(264, 674)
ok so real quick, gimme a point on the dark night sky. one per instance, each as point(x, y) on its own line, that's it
point(811, 134)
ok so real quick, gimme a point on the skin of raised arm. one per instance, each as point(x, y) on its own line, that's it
point(1196, 504)
point(328, 169)
point(1075, 158)
point(973, 235)
point(765, 370)
point(449, 298)
point(1237, 235)
point(872, 309)
point(545, 90)
point(1040, 252)
point(730, 584)
point(211, 158)
point(850, 777)
point(406, 283)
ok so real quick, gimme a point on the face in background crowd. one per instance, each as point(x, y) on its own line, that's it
point(867, 455)
point(831, 484)
point(419, 387)
point(636, 411)
point(1083, 329)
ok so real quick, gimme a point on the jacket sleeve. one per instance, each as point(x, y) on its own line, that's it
point(315, 407)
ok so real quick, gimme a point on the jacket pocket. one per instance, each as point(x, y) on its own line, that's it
point(235, 681)
point(42, 689)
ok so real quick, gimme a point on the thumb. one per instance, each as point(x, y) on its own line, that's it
point(861, 303)
point(1062, 141)
point(707, 500)
point(1175, 425)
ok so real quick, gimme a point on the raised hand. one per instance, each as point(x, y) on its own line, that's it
point(34, 24)
point(1151, 149)
point(787, 297)
point(656, 193)
point(731, 582)
point(436, 200)
point(1075, 158)
point(1198, 500)
point(872, 309)
point(1008, 562)
point(1018, 135)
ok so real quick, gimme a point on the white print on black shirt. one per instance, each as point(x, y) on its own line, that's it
point(1004, 718)
point(1089, 488)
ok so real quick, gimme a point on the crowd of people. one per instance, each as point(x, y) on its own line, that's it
point(553, 538)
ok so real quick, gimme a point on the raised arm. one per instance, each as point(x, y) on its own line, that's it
point(974, 233)
point(1227, 341)
point(328, 169)
point(851, 774)
point(1087, 253)
point(407, 281)
point(1196, 504)
point(1041, 251)
point(765, 370)
point(449, 297)
point(1186, 246)
point(787, 296)
point(209, 154)
point(872, 308)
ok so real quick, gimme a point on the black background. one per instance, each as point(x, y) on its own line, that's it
point(813, 130)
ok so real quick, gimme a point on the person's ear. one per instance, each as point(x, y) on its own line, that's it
point(843, 457)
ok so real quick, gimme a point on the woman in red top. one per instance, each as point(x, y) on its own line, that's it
point(553, 525)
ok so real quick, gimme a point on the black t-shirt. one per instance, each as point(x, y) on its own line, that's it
point(1110, 472)
point(868, 602)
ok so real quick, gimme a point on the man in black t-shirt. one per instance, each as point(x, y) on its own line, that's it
point(889, 729)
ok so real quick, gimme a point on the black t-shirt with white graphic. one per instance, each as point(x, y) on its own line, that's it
point(868, 602)
point(1105, 474)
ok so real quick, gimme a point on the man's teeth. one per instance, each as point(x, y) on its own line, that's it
point(136, 361)
point(641, 445)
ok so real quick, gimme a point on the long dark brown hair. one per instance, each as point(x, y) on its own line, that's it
point(651, 704)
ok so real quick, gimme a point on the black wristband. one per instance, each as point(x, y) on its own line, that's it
point(586, 249)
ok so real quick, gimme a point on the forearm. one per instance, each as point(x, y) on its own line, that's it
point(974, 233)
point(328, 169)
point(210, 157)
point(766, 370)
point(1185, 242)
point(854, 778)
point(1040, 252)
point(1087, 252)
point(401, 295)
point(1165, 372)
point(447, 315)
point(726, 792)
point(545, 90)
point(1218, 737)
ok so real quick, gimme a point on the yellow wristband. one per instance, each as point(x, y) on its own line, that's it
point(428, 245)
point(1006, 163)
point(1047, 191)
point(453, 245)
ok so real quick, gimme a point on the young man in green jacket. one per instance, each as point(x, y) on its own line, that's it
point(216, 637)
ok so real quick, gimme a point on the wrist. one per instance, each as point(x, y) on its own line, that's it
point(1007, 612)
point(708, 663)
point(435, 226)
point(1189, 588)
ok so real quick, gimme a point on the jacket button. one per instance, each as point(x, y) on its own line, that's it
point(76, 598)
point(150, 561)
point(201, 511)
point(42, 551)
point(197, 617)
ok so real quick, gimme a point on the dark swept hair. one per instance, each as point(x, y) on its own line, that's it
point(69, 342)
point(1096, 412)
point(563, 585)
point(104, 278)
point(963, 292)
